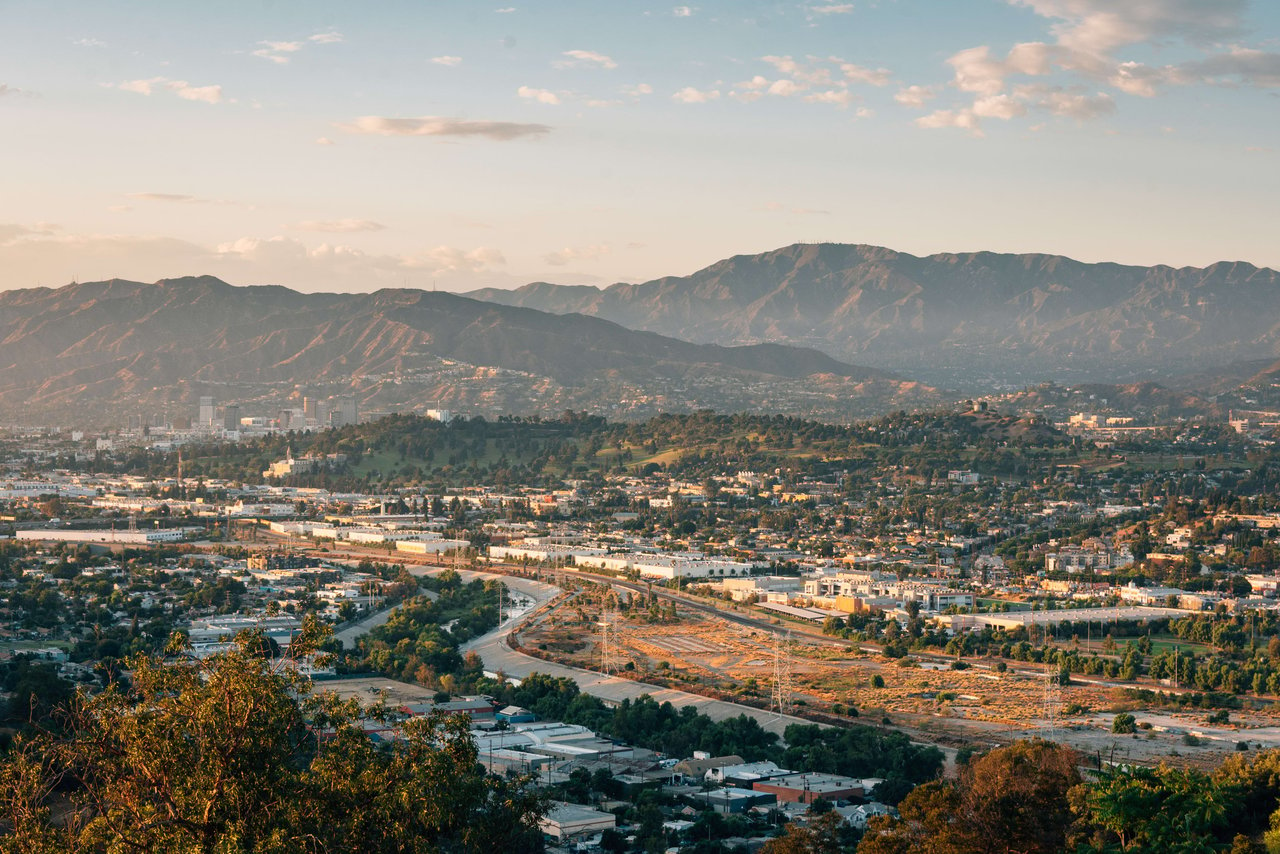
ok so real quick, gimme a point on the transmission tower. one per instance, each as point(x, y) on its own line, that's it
point(608, 640)
point(1052, 700)
point(781, 700)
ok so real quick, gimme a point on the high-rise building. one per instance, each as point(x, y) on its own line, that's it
point(345, 412)
point(231, 416)
point(208, 410)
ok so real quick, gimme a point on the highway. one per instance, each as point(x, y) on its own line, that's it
point(499, 656)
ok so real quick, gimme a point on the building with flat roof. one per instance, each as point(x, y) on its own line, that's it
point(807, 788)
point(565, 821)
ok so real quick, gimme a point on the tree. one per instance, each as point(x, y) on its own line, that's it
point(1010, 799)
point(820, 836)
point(1124, 724)
point(233, 754)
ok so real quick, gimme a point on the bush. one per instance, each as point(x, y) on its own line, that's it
point(877, 681)
point(1124, 724)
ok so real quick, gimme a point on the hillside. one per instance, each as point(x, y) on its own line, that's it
point(118, 347)
point(971, 319)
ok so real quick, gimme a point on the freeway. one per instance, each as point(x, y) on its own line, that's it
point(498, 656)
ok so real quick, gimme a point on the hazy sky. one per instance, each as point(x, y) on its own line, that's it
point(350, 146)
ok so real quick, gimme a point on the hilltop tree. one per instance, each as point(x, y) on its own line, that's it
point(232, 754)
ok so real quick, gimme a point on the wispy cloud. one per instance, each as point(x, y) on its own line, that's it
point(569, 254)
point(542, 96)
point(181, 88)
point(89, 42)
point(177, 198)
point(584, 58)
point(683, 11)
point(832, 9)
point(915, 96)
point(340, 226)
point(280, 52)
point(277, 52)
point(816, 80)
point(505, 10)
point(444, 127)
point(447, 60)
point(690, 95)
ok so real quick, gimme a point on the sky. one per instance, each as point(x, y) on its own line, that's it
point(331, 146)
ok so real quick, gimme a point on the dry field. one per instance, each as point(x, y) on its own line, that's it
point(924, 696)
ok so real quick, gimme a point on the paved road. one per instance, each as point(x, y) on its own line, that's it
point(498, 655)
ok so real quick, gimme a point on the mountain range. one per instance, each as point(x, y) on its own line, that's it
point(97, 351)
point(962, 320)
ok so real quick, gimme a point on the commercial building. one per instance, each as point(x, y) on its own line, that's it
point(565, 821)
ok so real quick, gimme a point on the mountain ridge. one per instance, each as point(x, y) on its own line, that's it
point(951, 317)
point(127, 344)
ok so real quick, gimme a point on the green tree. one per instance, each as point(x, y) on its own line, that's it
point(233, 754)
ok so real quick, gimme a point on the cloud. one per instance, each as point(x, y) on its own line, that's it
point(690, 95)
point(177, 198)
point(181, 88)
point(1101, 26)
point(324, 140)
point(542, 96)
point(964, 119)
point(447, 60)
point(814, 80)
point(340, 226)
point(587, 58)
point(637, 90)
point(277, 52)
point(1069, 104)
point(998, 107)
point(915, 96)
point(280, 52)
point(443, 126)
point(41, 254)
point(506, 10)
point(838, 97)
point(858, 74)
point(90, 42)
point(682, 12)
point(286, 253)
point(832, 9)
point(11, 232)
point(569, 254)
point(1238, 66)
point(9, 90)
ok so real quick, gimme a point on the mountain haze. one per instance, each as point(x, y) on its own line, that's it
point(122, 346)
point(953, 318)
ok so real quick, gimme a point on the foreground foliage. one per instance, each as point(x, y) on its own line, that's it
point(233, 755)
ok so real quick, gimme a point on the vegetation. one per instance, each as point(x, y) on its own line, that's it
point(234, 755)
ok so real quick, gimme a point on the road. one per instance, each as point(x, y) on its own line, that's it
point(499, 656)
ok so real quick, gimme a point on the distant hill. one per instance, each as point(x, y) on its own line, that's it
point(122, 347)
point(972, 319)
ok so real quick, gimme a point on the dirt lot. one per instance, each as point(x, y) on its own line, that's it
point(926, 697)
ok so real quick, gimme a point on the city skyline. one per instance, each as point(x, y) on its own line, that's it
point(323, 147)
